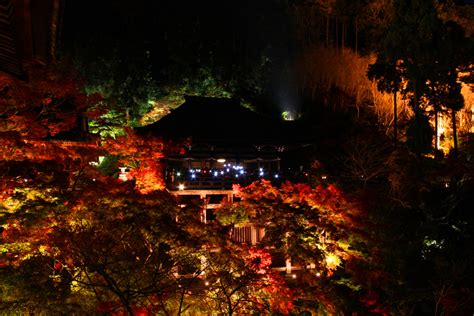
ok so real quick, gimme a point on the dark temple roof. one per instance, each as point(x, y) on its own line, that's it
point(217, 120)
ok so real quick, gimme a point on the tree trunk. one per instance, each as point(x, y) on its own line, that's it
point(455, 136)
point(327, 30)
point(415, 99)
point(115, 289)
point(55, 28)
point(395, 124)
point(436, 130)
point(181, 301)
point(343, 34)
point(356, 36)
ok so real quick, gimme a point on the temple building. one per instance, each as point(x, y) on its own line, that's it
point(225, 145)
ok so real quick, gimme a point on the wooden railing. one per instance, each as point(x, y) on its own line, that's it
point(248, 234)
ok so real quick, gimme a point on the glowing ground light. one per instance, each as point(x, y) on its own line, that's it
point(178, 174)
point(206, 283)
point(318, 274)
point(221, 160)
point(293, 276)
point(290, 115)
point(181, 187)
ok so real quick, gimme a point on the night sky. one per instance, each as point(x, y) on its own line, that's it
point(231, 31)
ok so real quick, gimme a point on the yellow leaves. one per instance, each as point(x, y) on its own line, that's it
point(11, 204)
point(32, 195)
point(332, 261)
point(23, 197)
point(78, 223)
point(44, 250)
point(17, 251)
point(75, 287)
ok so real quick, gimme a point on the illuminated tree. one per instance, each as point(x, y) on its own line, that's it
point(125, 83)
point(426, 53)
point(51, 196)
point(389, 79)
point(239, 280)
point(95, 239)
point(454, 52)
point(315, 228)
point(48, 103)
point(125, 248)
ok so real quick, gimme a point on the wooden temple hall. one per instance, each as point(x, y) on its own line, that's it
point(29, 31)
point(226, 144)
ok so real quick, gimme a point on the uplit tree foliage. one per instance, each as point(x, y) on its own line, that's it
point(75, 240)
point(49, 102)
point(318, 229)
point(103, 242)
point(239, 280)
point(425, 53)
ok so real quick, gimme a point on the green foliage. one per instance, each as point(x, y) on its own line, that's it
point(232, 214)
point(109, 165)
point(126, 85)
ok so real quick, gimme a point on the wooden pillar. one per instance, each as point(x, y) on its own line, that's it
point(253, 235)
point(203, 265)
point(288, 265)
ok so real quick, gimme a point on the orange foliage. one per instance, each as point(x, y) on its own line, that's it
point(314, 226)
point(141, 154)
point(46, 104)
point(148, 176)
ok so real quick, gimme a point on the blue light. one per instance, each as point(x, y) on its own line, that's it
point(193, 176)
point(276, 176)
point(215, 173)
